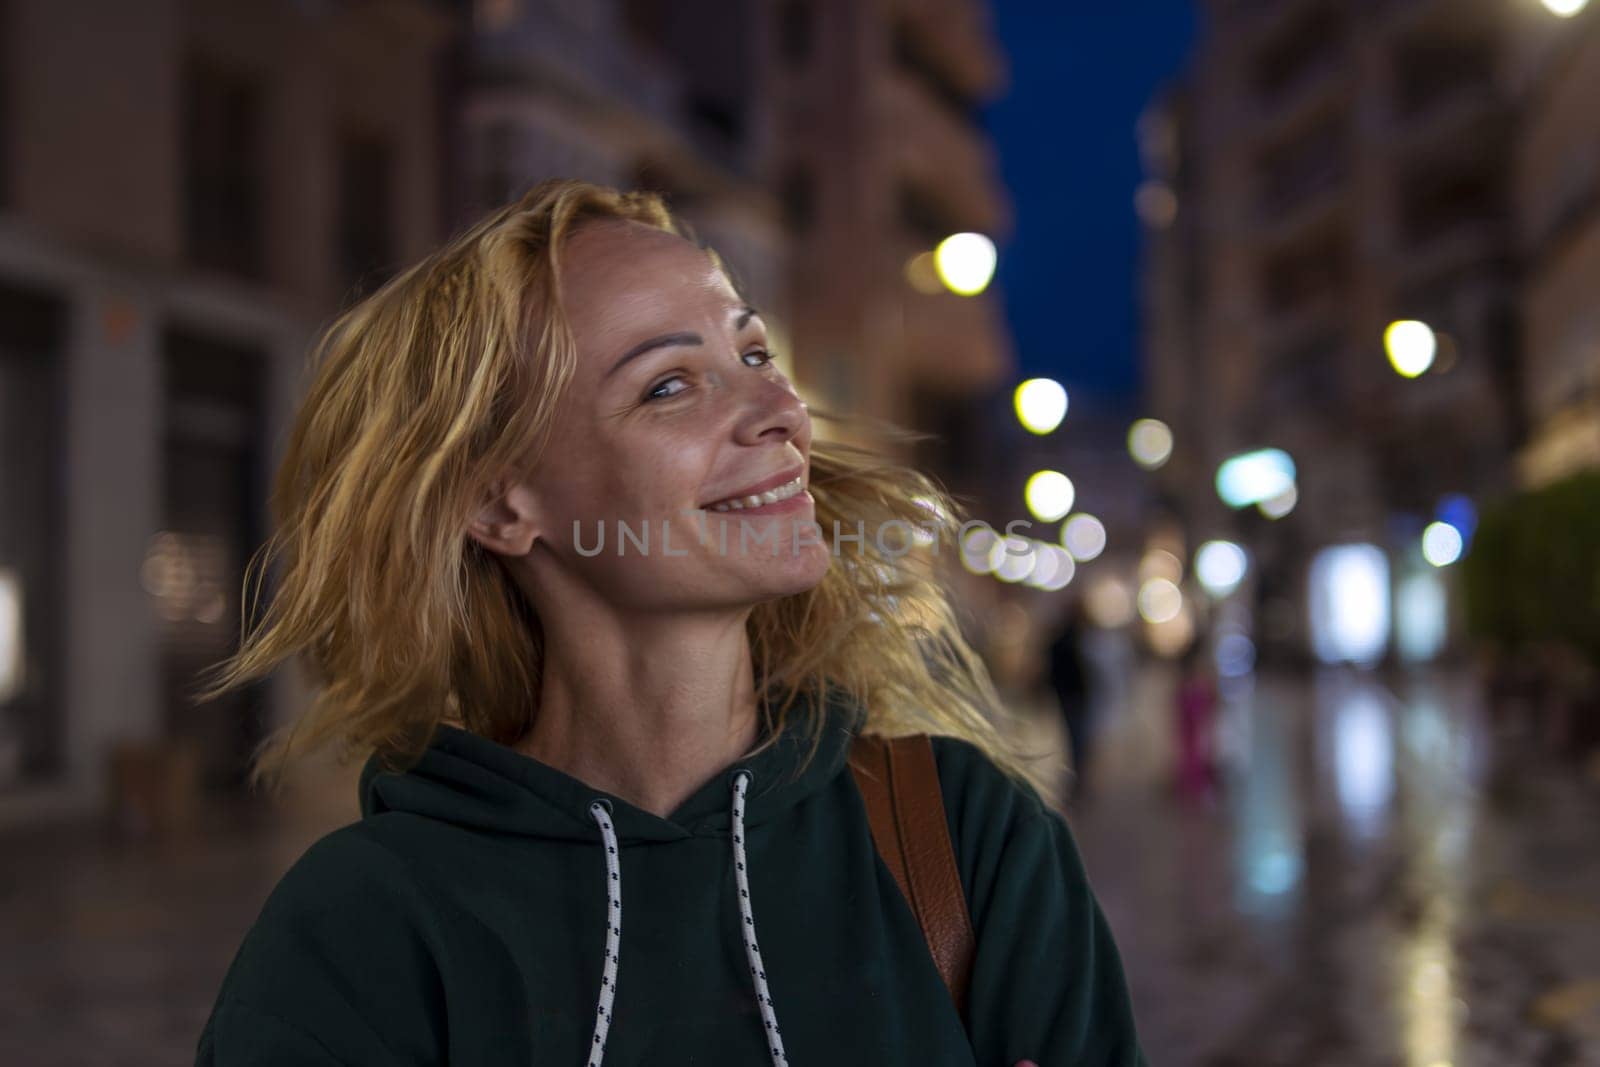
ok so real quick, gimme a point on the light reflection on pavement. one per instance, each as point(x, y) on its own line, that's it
point(1359, 894)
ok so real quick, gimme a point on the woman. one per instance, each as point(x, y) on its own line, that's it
point(560, 714)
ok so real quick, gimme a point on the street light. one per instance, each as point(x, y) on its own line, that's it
point(1041, 404)
point(1254, 477)
point(1049, 495)
point(1565, 8)
point(1411, 346)
point(965, 262)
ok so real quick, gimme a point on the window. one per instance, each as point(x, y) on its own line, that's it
point(799, 194)
point(1308, 271)
point(913, 57)
point(366, 249)
point(32, 623)
point(224, 203)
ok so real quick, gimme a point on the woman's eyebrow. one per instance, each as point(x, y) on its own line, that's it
point(667, 340)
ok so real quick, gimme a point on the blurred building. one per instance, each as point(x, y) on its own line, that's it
point(1557, 212)
point(637, 94)
point(187, 190)
point(880, 156)
point(1324, 170)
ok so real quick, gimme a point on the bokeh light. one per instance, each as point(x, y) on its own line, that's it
point(1255, 476)
point(1159, 563)
point(1279, 506)
point(1049, 495)
point(1171, 636)
point(1084, 536)
point(1411, 346)
point(1349, 604)
point(977, 548)
point(1441, 544)
point(1014, 558)
point(1053, 569)
point(1156, 204)
point(1160, 600)
point(1565, 8)
point(1220, 566)
point(1041, 404)
point(922, 275)
point(1150, 443)
point(1109, 603)
point(965, 262)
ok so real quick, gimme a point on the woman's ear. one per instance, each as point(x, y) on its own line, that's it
point(508, 524)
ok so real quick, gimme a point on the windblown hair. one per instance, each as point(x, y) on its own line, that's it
point(449, 374)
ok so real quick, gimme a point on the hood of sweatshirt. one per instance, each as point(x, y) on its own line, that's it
point(467, 780)
point(470, 781)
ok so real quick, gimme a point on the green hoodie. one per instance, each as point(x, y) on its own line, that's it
point(463, 920)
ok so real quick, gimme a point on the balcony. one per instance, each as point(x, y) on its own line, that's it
point(943, 155)
point(575, 53)
point(953, 343)
point(955, 38)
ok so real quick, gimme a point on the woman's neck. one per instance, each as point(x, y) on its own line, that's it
point(649, 710)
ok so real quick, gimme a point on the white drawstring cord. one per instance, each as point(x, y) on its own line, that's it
point(600, 812)
point(758, 970)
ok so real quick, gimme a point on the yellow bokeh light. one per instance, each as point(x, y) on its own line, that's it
point(1049, 495)
point(923, 275)
point(965, 262)
point(1411, 346)
point(1565, 8)
point(1041, 404)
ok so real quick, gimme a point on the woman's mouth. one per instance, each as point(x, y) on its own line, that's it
point(761, 501)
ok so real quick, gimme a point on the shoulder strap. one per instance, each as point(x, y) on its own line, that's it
point(899, 781)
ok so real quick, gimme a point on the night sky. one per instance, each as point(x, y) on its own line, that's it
point(1081, 75)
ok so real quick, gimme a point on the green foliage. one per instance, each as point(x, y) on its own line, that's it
point(1532, 576)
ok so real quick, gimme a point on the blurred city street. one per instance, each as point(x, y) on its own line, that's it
point(1362, 892)
point(1370, 888)
point(1273, 325)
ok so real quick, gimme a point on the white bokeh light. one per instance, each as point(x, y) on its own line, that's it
point(1441, 544)
point(1084, 536)
point(1220, 566)
point(1150, 443)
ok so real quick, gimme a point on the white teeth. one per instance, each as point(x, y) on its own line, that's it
point(771, 496)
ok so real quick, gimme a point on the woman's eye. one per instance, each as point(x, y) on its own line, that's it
point(756, 357)
point(657, 394)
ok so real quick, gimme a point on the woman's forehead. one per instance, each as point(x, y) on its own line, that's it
point(618, 271)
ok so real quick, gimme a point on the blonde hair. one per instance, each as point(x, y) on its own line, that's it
point(449, 374)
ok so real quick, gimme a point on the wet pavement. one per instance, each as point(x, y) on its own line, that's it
point(1375, 885)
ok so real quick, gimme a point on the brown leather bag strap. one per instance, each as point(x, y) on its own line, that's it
point(899, 781)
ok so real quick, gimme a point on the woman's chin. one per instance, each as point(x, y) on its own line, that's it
point(787, 574)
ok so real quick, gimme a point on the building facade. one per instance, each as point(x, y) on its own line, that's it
point(1557, 214)
point(880, 156)
point(1327, 169)
point(187, 192)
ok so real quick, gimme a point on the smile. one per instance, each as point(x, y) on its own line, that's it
point(771, 496)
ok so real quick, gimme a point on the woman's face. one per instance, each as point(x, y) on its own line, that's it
point(674, 408)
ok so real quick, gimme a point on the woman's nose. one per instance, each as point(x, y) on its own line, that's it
point(772, 412)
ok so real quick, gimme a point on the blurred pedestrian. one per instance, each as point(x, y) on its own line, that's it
point(1196, 721)
point(1072, 678)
